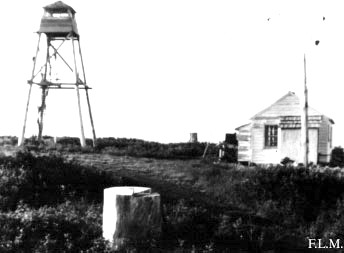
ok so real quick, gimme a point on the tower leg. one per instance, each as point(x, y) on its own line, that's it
point(87, 97)
point(21, 141)
point(82, 140)
point(91, 118)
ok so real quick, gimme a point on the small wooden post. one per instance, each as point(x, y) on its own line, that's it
point(193, 137)
point(205, 150)
point(130, 214)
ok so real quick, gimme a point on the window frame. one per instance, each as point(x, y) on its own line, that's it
point(270, 136)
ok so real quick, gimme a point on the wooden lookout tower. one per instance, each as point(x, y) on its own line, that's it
point(62, 65)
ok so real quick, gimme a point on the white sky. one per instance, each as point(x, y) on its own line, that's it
point(163, 69)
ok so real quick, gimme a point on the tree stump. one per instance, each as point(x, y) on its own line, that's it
point(130, 214)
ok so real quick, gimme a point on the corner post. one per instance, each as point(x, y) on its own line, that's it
point(82, 139)
point(21, 141)
point(87, 97)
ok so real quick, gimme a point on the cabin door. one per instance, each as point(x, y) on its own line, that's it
point(291, 144)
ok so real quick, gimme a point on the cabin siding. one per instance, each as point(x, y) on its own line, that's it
point(244, 143)
point(260, 153)
point(325, 148)
point(313, 135)
point(291, 145)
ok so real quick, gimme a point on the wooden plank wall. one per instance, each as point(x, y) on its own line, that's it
point(244, 143)
point(260, 153)
point(324, 146)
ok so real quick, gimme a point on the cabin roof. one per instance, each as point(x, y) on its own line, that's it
point(242, 126)
point(288, 105)
point(58, 7)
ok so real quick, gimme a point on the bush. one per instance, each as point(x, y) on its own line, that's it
point(287, 161)
point(49, 205)
point(39, 181)
point(140, 148)
point(194, 224)
point(8, 140)
point(288, 199)
point(307, 192)
point(68, 141)
point(12, 190)
point(32, 141)
point(337, 157)
point(67, 228)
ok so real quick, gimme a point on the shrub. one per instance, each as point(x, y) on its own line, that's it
point(231, 154)
point(8, 140)
point(50, 180)
point(32, 141)
point(337, 157)
point(192, 223)
point(140, 148)
point(68, 141)
point(12, 180)
point(287, 161)
point(67, 228)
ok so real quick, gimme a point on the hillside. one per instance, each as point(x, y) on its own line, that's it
point(205, 204)
point(171, 178)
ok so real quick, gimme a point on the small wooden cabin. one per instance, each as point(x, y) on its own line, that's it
point(275, 133)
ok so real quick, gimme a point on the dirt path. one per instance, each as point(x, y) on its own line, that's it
point(171, 178)
point(167, 170)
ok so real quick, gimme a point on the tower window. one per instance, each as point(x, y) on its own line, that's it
point(271, 135)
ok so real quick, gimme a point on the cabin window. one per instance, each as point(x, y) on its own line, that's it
point(60, 15)
point(271, 133)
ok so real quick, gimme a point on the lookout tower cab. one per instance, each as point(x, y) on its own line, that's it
point(59, 21)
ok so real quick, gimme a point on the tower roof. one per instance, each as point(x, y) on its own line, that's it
point(59, 7)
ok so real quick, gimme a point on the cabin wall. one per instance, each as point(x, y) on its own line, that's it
point(325, 140)
point(260, 153)
point(291, 145)
point(288, 144)
point(244, 144)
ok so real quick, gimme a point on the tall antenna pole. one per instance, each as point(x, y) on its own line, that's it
point(304, 119)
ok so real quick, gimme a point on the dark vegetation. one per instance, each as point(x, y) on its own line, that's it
point(129, 147)
point(337, 157)
point(140, 148)
point(49, 205)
